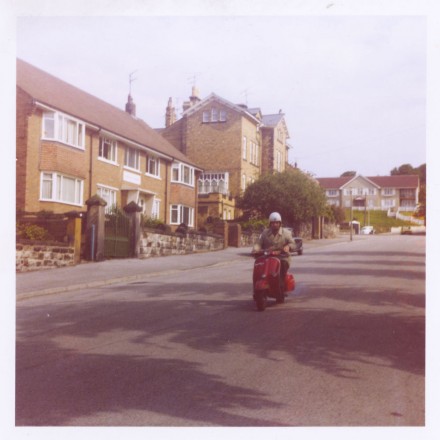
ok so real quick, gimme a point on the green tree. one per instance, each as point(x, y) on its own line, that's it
point(335, 214)
point(348, 174)
point(295, 195)
point(404, 169)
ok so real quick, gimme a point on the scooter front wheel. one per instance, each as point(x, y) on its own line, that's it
point(260, 301)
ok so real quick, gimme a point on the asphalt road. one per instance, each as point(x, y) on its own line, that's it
point(188, 348)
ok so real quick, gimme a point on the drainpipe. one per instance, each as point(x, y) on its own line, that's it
point(166, 191)
point(98, 131)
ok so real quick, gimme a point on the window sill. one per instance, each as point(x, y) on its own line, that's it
point(109, 162)
point(153, 176)
point(61, 202)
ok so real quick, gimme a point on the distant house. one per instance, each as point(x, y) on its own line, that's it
point(397, 193)
point(232, 143)
point(72, 145)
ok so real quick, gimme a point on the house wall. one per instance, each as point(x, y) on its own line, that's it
point(24, 110)
point(248, 168)
point(267, 159)
point(216, 146)
point(365, 193)
point(35, 155)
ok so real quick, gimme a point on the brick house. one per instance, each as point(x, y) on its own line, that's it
point(72, 145)
point(233, 144)
point(396, 193)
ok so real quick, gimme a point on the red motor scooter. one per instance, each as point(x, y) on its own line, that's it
point(266, 278)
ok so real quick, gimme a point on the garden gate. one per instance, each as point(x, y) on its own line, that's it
point(117, 235)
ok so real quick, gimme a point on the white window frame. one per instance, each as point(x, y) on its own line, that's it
point(244, 152)
point(63, 128)
point(243, 182)
point(177, 215)
point(178, 174)
point(153, 161)
point(332, 193)
point(112, 147)
point(56, 188)
point(109, 194)
point(127, 158)
point(389, 192)
point(222, 117)
point(278, 161)
point(214, 114)
point(155, 210)
point(388, 203)
point(205, 116)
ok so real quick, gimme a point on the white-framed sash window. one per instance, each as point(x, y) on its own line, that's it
point(109, 194)
point(131, 159)
point(153, 166)
point(108, 150)
point(182, 214)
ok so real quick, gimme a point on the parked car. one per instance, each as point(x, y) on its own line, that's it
point(298, 243)
point(367, 230)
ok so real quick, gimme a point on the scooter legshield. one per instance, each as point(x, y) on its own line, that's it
point(273, 275)
point(261, 285)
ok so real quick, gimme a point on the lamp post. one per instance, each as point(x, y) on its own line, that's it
point(351, 214)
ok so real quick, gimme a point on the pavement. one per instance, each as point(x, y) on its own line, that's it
point(95, 274)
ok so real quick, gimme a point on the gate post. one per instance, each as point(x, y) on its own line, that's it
point(133, 211)
point(234, 235)
point(74, 233)
point(95, 228)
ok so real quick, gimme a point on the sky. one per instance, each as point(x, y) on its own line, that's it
point(352, 87)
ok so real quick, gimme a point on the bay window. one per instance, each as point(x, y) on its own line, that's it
point(60, 127)
point(57, 187)
point(181, 173)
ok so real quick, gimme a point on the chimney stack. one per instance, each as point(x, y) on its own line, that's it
point(130, 107)
point(170, 115)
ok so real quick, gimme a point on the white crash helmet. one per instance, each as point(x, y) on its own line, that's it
point(274, 217)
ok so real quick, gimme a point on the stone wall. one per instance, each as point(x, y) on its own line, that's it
point(153, 244)
point(42, 256)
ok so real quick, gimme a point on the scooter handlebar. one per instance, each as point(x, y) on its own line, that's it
point(270, 253)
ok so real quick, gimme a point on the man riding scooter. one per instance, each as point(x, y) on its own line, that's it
point(277, 238)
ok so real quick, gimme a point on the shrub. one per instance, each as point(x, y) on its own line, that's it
point(254, 225)
point(152, 223)
point(33, 232)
